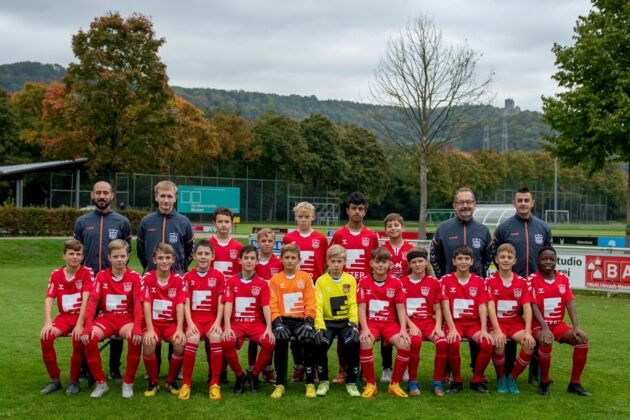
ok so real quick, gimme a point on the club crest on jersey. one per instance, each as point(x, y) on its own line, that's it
point(425, 291)
point(79, 283)
point(562, 288)
point(518, 293)
point(255, 290)
point(274, 271)
point(365, 241)
point(473, 291)
point(476, 243)
point(391, 293)
point(316, 243)
point(172, 292)
point(538, 238)
point(300, 284)
point(346, 288)
point(212, 282)
point(172, 237)
point(127, 287)
point(233, 254)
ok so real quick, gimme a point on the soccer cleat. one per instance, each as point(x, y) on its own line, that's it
point(340, 378)
point(369, 391)
point(72, 389)
point(456, 388)
point(172, 387)
point(99, 390)
point(412, 389)
point(543, 389)
point(502, 387)
point(184, 392)
point(127, 390)
point(352, 390)
point(405, 377)
point(278, 392)
point(479, 387)
point(239, 384)
point(51, 387)
point(115, 375)
point(254, 382)
point(310, 391)
point(396, 390)
point(323, 388)
point(298, 375)
point(269, 376)
point(214, 393)
point(437, 388)
point(386, 376)
point(152, 389)
point(576, 388)
point(511, 384)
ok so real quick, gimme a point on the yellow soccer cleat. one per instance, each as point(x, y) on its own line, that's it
point(396, 390)
point(215, 392)
point(184, 392)
point(369, 391)
point(310, 391)
point(152, 390)
point(278, 392)
point(172, 388)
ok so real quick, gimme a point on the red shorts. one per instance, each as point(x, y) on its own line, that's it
point(558, 330)
point(65, 323)
point(511, 326)
point(251, 330)
point(164, 330)
point(426, 327)
point(467, 329)
point(203, 326)
point(384, 330)
point(111, 323)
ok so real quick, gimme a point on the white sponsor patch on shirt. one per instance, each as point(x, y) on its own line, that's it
point(162, 309)
point(114, 302)
point(201, 300)
point(376, 309)
point(71, 302)
point(463, 307)
point(244, 307)
point(291, 300)
point(506, 308)
point(414, 305)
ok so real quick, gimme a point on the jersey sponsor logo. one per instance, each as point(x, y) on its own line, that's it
point(476, 243)
point(473, 291)
point(538, 238)
point(234, 253)
point(307, 261)
point(245, 307)
point(225, 267)
point(379, 309)
point(518, 293)
point(212, 282)
point(113, 234)
point(390, 293)
point(562, 289)
point(162, 309)
point(71, 302)
point(506, 308)
point(201, 300)
point(552, 308)
point(416, 306)
point(255, 290)
point(425, 290)
point(315, 243)
point(115, 303)
point(365, 242)
point(172, 292)
point(355, 258)
point(172, 237)
point(293, 303)
point(463, 307)
point(346, 288)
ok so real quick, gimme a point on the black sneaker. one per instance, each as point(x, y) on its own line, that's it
point(223, 379)
point(51, 387)
point(115, 375)
point(543, 389)
point(254, 382)
point(456, 388)
point(576, 388)
point(239, 386)
point(479, 387)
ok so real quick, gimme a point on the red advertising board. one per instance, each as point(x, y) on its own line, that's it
point(608, 271)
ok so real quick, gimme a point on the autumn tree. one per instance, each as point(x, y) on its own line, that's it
point(237, 148)
point(8, 130)
point(591, 112)
point(426, 81)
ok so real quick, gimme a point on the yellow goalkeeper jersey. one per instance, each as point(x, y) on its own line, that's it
point(336, 300)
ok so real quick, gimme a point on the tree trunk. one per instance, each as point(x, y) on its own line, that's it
point(628, 210)
point(422, 218)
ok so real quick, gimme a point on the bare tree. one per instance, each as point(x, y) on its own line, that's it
point(425, 81)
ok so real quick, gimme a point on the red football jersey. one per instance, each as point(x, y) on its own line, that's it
point(381, 299)
point(226, 256)
point(398, 266)
point(267, 269)
point(313, 249)
point(358, 247)
point(421, 295)
point(247, 297)
point(509, 301)
point(464, 298)
point(164, 298)
point(69, 291)
point(203, 292)
point(551, 297)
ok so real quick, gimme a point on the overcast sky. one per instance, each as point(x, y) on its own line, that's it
point(327, 48)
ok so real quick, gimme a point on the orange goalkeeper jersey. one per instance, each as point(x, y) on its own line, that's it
point(292, 297)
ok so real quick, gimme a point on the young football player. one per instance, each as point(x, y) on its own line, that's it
point(292, 303)
point(116, 293)
point(424, 319)
point(247, 315)
point(464, 300)
point(226, 248)
point(163, 303)
point(70, 285)
point(552, 296)
point(382, 315)
point(509, 297)
point(337, 316)
point(204, 316)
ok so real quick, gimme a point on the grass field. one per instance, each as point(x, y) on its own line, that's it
point(26, 264)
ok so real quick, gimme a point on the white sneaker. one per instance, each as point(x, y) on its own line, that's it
point(99, 390)
point(405, 377)
point(127, 390)
point(386, 376)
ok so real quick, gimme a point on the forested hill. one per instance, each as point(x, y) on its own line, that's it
point(523, 128)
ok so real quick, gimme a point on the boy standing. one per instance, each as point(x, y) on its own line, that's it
point(464, 301)
point(70, 285)
point(382, 315)
point(226, 248)
point(203, 311)
point(396, 245)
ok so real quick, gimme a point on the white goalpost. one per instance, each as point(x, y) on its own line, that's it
point(557, 216)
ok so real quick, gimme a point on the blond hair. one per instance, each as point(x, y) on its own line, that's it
point(117, 244)
point(264, 232)
point(289, 248)
point(336, 251)
point(165, 185)
point(304, 206)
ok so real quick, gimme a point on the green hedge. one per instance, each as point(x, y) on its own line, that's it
point(41, 221)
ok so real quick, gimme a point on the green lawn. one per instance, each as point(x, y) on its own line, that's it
point(26, 265)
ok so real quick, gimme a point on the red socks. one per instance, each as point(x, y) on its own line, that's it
point(94, 360)
point(414, 357)
point(483, 359)
point(439, 364)
point(216, 362)
point(150, 364)
point(455, 361)
point(498, 359)
point(133, 360)
point(366, 357)
point(190, 353)
point(522, 360)
point(76, 360)
point(264, 357)
point(580, 353)
point(544, 361)
point(174, 367)
point(400, 364)
point(229, 351)
point(50, 357)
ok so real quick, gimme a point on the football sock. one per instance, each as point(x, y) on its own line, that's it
point(439, 364)
point(366, 357)
point(190, 354)
point(50, 357)
point(455, 360)
point(483, 359)
point(400, 364)
point(174, 366)
point(133, 360)
point(150, 364)
point(498, 359)
point(544, 361)
point(263, 358)
point(229, 352)
point(521, 363)
point(414, 356)
point(216, 362)
point(580, 353)
point(76, 360)
point(94, 360)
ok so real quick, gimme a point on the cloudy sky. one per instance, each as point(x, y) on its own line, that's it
point(327, 48)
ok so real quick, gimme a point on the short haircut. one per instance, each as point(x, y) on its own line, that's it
point(247, 249)
point(304, 206)
point(461, 190)
point(117, 244)
point(72, 244)
point(380, 254)
point(356, 198)
point(463, 250)
point(223, 211)
point(290, 248)
point(509, 248)
point(264, 232)
point(336, 250)
point(164, 248)
point(393, 217)
point(165, 185)
point(103, 181)
point(417, 252)
point(524, 190)
point(546, 248)
point(206, 243)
